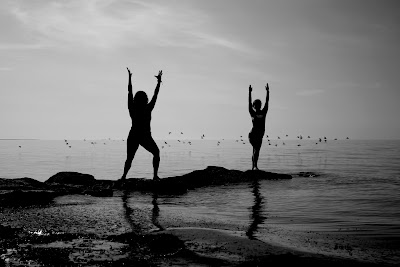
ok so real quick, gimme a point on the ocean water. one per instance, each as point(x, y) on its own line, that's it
point(351, 209)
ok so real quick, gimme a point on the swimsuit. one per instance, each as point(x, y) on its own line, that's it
point(257, 132)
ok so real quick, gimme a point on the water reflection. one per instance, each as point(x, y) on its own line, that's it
point(129, 212)
point(156, 212)
point(256, 216)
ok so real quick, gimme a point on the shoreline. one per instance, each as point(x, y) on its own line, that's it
point(14, 192)
point(79, 228)
point(236, 249)
point(70, 231)
point(174, 246)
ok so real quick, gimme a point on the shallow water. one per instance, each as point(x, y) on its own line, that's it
point(351, 209)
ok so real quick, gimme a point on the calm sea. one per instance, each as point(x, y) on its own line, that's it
point(351, 209)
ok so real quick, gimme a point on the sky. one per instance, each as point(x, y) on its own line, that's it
point(332, 67)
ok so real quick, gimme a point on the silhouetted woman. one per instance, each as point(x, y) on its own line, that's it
point(140, 133)
point(257, 132)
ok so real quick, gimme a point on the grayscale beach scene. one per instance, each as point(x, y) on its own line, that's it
point(199, 133)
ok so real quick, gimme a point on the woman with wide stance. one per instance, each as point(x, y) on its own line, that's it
point(140, 133)
point(258, 118)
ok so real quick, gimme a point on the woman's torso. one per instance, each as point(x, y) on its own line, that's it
point(141, 120)
point(258, 119)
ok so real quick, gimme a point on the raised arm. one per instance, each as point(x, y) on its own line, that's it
point(154, 99)
point(130, 95)
point(265, 109)
point(251, 111)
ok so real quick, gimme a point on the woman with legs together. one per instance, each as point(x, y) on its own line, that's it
point(140, 134)
point(258, 118)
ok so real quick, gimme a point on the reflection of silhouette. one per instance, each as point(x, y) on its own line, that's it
point(140, 133)
point(129, 212)
point(156, 213)
point(256, 210)
point(258, 118)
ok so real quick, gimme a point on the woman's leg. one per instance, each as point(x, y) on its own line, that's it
point(256, 143)
point(150, 145)
point(251, 140)
point(252, 158)
point(256, 153)
point(132, 144)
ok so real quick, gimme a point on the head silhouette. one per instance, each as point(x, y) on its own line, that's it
point(140, 100)
point(257, 104)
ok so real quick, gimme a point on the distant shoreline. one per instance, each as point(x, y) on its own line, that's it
point(12, 139)
point(197, 139)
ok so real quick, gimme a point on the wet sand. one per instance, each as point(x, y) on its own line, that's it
point(113, 231)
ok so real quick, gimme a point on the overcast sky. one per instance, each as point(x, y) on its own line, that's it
point(332, 66)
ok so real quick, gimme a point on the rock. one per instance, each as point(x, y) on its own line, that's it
point(21, 184)
point(263, 175)
point(164, 244)
point(9, 232)
point(27, 191)
point(71, 178)
point(210, 176)
point(18, 198)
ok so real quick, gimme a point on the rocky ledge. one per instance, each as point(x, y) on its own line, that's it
point(28, 191)
point(211, 176)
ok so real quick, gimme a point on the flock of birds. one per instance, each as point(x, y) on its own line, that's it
point(243, 141)
point(219, 142)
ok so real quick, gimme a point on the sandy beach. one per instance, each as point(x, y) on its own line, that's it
point(82, 230)
point(112, 243)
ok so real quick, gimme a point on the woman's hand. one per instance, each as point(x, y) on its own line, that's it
point(159, 76)
point(129, 72)
point(250, 89)
point(267, 87)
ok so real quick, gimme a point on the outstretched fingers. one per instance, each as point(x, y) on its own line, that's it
point(159, 75)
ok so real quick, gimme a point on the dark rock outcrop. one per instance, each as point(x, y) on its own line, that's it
point(27, 191)
point(71, 178)
point(21, 184)
point(26, 197)
point(211, 176)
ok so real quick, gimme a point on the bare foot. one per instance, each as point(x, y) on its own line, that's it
point(156, 178)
